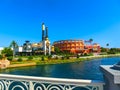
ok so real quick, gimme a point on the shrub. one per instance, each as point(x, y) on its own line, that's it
point(42, 58)
point(63, 57)
point(56, 57)
point(78, 56)
point(91, 54)
point(67, 57)
point(10, 58)
point(49, 57)
point(30, 58)
point(1, 57)
point(85, 54)
point(20, 59)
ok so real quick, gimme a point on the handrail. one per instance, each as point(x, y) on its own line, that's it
point(57, 81)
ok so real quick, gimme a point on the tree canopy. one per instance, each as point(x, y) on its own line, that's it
point(7, 52)
point(13, 44)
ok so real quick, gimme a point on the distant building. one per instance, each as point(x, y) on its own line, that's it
point(77, 46)
point(42, 47)
point(72, 46)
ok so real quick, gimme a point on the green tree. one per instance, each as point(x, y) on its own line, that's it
point(30, 58)
point(90, 40)
point(49, 57)
point(10, 58)
point(57, 50)
point(1, 57)
point(113, 51)
point(107, 44)
point(13, 45)
point(7, 52)
point(103, 49)
point(62, 57)
point(20, 59)
point(107, 47)
point(78, 56)
point(42, 58)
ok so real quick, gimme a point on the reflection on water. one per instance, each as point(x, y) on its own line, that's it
point(81, 70)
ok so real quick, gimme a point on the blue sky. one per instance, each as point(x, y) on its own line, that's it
point(21, 20)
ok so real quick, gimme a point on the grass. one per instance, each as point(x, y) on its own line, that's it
point(46, 61)
point(37, 60)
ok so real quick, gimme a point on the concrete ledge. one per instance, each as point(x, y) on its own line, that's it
point(111, 77)
point(111, 73)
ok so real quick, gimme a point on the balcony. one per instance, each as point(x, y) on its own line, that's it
point(17, 82)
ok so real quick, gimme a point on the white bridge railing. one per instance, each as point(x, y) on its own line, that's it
point(17, 82)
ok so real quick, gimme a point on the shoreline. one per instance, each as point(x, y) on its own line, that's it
point(50, 62)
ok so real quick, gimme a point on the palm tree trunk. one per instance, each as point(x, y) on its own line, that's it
point(13, 53)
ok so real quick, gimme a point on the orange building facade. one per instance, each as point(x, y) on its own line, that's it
point(77, 46)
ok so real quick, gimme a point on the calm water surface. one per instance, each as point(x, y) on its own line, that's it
point(79, 70)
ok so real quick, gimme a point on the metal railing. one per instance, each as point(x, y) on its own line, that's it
point(17, 82)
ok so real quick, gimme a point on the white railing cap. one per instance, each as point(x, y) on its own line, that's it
point(53, 80)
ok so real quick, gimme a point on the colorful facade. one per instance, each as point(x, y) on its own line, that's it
point(77, 46)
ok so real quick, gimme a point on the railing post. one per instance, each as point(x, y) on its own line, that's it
point(31, 87)
point(100, 87)
point(111, 77)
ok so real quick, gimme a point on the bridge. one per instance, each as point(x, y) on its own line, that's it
point(18, 82)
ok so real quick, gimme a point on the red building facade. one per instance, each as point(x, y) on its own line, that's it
point(77, 46)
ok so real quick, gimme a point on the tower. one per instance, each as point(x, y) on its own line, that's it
point(45, 40)
point(43, 29)
point(46, 28)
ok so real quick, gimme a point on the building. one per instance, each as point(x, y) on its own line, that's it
point(72, 46)
point(77, 46)
point(42, 47)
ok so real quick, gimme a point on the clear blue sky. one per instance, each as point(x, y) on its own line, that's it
point(21, 20)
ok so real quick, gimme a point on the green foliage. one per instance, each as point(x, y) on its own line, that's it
point(1, 57)
point(90, 40)
point(30, 58)
point(78, 56)
point(7, 52)
point(10, 58)
point(13, 44)
point(62, 57)
point(90, 54)
point(20, 59)
point(42, 58)
point(57, 50)
point(49, 57)
point(103, 49)
point(67, 57)
point(56, 57)
point(113, 51)
point(107, 44)
point(110, 51)
point(85, 54)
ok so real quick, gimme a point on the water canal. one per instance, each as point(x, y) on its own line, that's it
point(78, 70)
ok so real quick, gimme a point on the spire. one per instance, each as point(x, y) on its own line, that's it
point(46, 32)
point(43, 29)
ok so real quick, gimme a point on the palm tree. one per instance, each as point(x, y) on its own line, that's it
point(13, 45)
point(107, 44)
point(90, 40)
point(107, 47)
